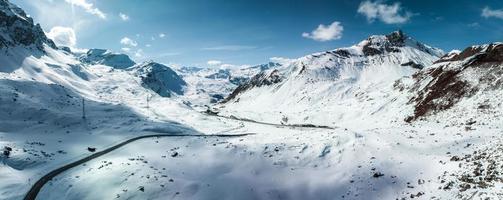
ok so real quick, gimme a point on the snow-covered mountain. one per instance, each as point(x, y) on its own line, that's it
point(159, 78)
point(17, 29)
point(44, 86)
point(105, 57)
point(207, 86)
point(344, 83)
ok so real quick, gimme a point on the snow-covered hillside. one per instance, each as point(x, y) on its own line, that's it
point(467, 84)
point(344, 84)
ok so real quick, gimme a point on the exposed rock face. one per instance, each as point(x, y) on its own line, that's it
point(159, 78)
point(476, 69)
point(259, 80)
point(16, 29)
point(104, 57)
point(376, 45)
point(221, 74)
point(413, 65)
point(486, 53)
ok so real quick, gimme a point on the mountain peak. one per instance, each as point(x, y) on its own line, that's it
point(105, 57)
point(17, 29)
point(159, 78)
point(392, 43)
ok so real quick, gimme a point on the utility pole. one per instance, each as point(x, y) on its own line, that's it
point(149, 96)
point(83, 108)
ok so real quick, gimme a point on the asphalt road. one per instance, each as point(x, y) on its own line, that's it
point(271, 124)
point(35, 189)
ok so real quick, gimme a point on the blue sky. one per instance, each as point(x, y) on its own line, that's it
point(248, 32)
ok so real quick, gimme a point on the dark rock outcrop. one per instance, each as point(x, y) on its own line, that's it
point(17, 29)
point(446, 84)
point(391, 43)
point(159, 78)
point(220, 74)
point(259, 80)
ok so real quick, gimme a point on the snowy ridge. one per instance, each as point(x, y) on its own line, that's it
point(105, 57)
point(342, 82)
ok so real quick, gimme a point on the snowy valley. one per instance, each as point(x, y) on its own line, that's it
point(387, 118)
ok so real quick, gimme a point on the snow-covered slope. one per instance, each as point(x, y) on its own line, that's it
point(344, 84)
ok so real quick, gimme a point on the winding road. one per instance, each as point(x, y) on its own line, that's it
point(35, 189)
point(270, 124)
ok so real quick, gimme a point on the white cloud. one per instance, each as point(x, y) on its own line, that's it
point(162, 35)
point(126, 49)
point(389, 14)
point(124, 17)
point(229, 48)
point(214, 62)
point(488, 12)
point(63, 36)
point(326, 33)
point(148, 45)
point(129, 42)
point(139, 53)
point(88, 7)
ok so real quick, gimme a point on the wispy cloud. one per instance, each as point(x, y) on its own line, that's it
point(88, 7)
point(63, 36)
point(326, 33)
point(473, 25)
point(139, 53)
point(128, 42)
point(229, 48)
point(123, 17)
point(488, 12)
point(389, 14)
point(162, 35)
